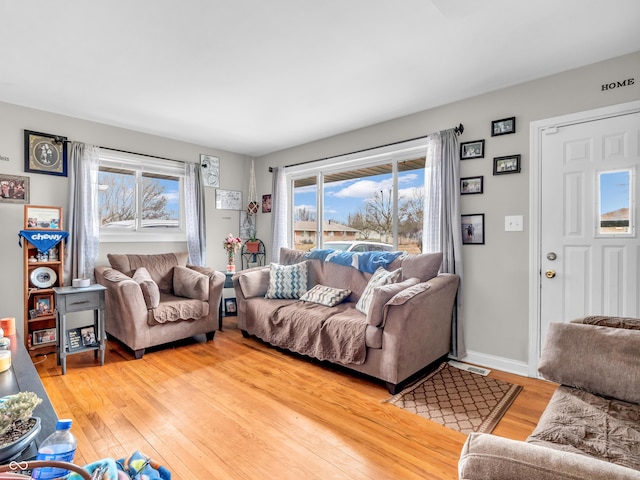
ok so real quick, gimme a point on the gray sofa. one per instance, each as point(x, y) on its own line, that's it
point(591, 428)
point(156, 299)
point(406, 329)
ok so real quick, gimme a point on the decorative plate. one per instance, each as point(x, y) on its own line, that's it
point(43, 277)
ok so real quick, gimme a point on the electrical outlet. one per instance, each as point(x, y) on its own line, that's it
point(513, 223)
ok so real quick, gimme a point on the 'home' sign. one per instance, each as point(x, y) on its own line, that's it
point(613, 85)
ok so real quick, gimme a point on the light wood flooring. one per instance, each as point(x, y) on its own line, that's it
point(234, 408)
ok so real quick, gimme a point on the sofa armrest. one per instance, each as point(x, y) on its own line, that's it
point(486, 456)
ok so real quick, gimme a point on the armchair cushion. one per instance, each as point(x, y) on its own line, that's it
point(600, 360)
point(160, 266)
point(190, 284)
point(149, 288)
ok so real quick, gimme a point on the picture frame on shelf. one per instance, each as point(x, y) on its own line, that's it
point(43, 304)
point(210, 167)
point(42, 218)
point(506, 164)
point(14, 189)
point(45, 153)
point(230, 307)
point(473, 229)
point(504, 126)
point(88, 335)
point(40, 337)
point(473, 149)
point(471, 185)
point(74, 340)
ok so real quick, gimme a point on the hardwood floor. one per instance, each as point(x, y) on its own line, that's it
point(235, 408)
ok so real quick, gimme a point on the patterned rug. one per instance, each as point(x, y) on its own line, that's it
point(461, 400)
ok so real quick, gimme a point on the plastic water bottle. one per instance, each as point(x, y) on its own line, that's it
point(59, 446)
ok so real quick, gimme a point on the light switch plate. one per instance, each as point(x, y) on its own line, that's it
point(513, 223)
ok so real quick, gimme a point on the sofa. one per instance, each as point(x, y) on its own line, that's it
point(152, 300)
point(406, 327)
point(591, 426)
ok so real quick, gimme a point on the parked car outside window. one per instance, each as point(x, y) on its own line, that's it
point(359, 246)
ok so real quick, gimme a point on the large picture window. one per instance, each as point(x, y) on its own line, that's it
point(140, 197)
point(360, 205)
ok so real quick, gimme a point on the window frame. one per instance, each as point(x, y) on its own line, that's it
point(389, 154)
point(140, 165)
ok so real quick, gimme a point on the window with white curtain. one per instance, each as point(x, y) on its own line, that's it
point(375, 197)
point(140, 198)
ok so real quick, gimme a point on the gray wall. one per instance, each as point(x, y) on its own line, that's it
point(496, 274)
point(53, 191)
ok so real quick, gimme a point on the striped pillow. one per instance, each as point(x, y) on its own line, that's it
point(287, 281)
point(379, 278)
point(324, 295)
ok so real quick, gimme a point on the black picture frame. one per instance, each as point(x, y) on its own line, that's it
point(504, 126)
point(472, 185)
point(45, 153)
point(473, 149)
point(506, 164)
point(74, 340)
point(473, 229)
point(14, 189)
point(230, 307)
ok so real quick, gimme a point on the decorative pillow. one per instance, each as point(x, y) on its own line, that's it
point(190, 284)
point(381, 295)
point(324, 295)
point(287, 281)
point(379, 278)
point(424, 266)
point(150, 290)
point(254, 283)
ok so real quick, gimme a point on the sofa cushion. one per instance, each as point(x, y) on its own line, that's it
point(190, 284)
point(424, 266)
point(289, 256)
point(160, 266)
point(175, 309)
point(324, 295)
point(120, 262)
point(381, 295)
point(608, 321)
point(287, 281)
point(149, 288)
point(114, 275)
point(600, 360)
point(254, 283)
point(379, 278)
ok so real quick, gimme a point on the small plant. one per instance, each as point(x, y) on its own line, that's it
point(18, 407)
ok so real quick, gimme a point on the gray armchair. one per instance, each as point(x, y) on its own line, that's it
point(156, 299)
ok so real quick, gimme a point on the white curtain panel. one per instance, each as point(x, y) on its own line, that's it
point(442, 231)
point(195, 214)
point(82, 218)
point(279, 217)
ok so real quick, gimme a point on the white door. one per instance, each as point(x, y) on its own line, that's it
point(589, 248)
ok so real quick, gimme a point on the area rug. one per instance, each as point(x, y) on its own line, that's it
point(458, 399)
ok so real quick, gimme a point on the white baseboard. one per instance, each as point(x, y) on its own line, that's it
point(497, 363)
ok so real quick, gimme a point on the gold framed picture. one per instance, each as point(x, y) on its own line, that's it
point(45, 153)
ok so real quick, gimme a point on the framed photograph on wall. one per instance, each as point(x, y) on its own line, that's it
point(228, 199)
point(471, 185)
point(473, 229)
point(14, 189)
point(503, 126)
point(507, 164)
point(473, 149)
point(266, 203)
point(210, 167)
point(45, 153)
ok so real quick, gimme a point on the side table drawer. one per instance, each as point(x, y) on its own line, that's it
point(79, 302)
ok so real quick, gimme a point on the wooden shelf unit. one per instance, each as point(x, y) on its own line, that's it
point(46, 319)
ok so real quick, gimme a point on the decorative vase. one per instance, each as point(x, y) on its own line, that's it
point(231, 263)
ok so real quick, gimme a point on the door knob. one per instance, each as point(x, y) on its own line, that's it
point(550, 273)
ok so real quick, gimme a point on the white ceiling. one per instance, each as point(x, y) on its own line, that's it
point(257, 76)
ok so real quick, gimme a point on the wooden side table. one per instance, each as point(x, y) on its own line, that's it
point(71, 299)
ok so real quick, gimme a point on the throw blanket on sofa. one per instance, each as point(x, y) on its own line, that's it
point(364, 261)
point(335, 334)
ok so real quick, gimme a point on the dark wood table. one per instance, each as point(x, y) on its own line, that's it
point(23, 377)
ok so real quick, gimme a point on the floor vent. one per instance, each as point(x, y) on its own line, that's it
point(470, 368)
